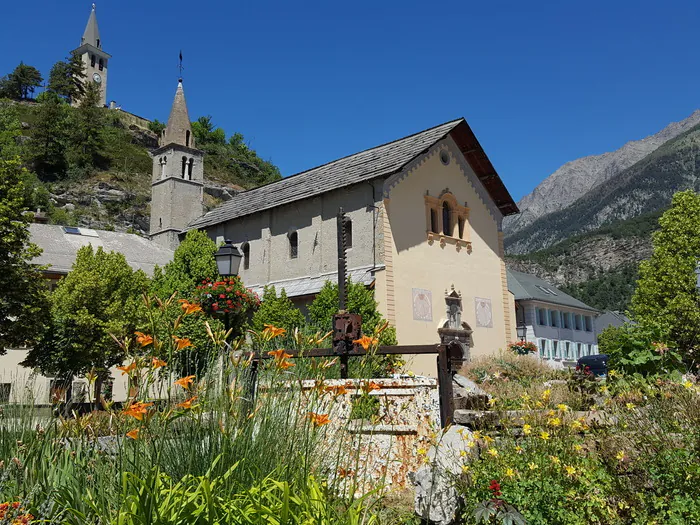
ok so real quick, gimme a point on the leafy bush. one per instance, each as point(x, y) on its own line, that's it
point(277, 310)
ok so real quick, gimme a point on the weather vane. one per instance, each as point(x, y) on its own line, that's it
point(180, 66)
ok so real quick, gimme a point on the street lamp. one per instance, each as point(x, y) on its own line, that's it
point(228, 259)
point(522, 331)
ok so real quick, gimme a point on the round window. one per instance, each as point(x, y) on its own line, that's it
point(444, 157)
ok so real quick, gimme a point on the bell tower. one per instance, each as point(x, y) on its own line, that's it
point(178, 177)
point(94, 58)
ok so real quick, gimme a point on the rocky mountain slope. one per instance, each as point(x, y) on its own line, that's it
point(644, 187)
point(574, 179)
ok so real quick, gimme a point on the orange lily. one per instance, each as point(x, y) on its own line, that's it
point(137, 410)
point(285, 364)
point(345, 473)
point(270, 332)
point(366, 341)
point(187, 404)
point(279, 354)
point(158, 363)
point(368, 387)
point(181, 343)
point(318, 419)
point(128, 368)
point(337, 390)
point(143, 339)
point(185, 382)
point(133, 434)
point(188, 307)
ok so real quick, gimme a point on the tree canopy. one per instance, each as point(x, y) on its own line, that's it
point(21, 83)
point(67, 78)
point(667, 292)
point(23, 292)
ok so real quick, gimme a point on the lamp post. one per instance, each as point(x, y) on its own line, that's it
point(522, 331)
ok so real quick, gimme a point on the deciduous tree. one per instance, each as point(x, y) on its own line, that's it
point(23, 292)
point(100, 297)
point(667, 291)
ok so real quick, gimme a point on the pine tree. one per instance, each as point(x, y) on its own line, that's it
point(23, 292)
point(86, 125)
point(47, 149)
point(67, 78)
point(21, 83)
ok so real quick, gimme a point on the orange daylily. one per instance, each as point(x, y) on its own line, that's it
point(188, 307)
point(270, 332)
point(279, 354)
point(345, 473)
point(187, 404)
point(318, 419)
point(137, 410)
point(133, 434)
point(185, 382)
point(368, 387)
point(337, 390)
point(158, 363)
point(366, 341)
point(143, 339)
point(128, 368)
point(181, 343)
point(285, 364)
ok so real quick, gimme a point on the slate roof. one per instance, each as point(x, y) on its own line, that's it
point(381, 161)
point(610, 318)
point(92, 33)
point(60, 248)
point(528, 287)
point(313, 285)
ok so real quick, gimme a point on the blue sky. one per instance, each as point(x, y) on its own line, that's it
point(541, 83)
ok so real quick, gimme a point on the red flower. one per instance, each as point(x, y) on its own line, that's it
point(495, 488)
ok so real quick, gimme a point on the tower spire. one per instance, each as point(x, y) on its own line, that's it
point(178, 131)
point(92, 33)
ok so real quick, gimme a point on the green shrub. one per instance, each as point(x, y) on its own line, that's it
point(277, 310)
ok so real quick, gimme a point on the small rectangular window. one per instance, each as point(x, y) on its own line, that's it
point(578, 321)
point(566, 319)
point(589, 323)
point(555, 350)
point(433, 220)
point(460, 223)
point(542, 317)
point(293, 245)
point(554, 318)
point(543, 348)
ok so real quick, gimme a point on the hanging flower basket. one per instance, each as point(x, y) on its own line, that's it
point(226, 296)
point(522, 347)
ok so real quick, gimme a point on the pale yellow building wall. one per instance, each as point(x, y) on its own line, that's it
point(414, 263)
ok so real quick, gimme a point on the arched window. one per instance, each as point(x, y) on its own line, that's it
point(293, 245)
point(348, 233)
point(433, 221)
point(446, 226)
point(184, 166)
point(187, 138)
point(189, 169)
point(98, 43)
point(246, 255)
point(102, 64)
point(460, 223)
point(92, 60)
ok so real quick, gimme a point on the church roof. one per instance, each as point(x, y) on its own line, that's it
point(60, 245)
point(178, 131)
point(525, 287)
point(381, 161)
point(92, 33)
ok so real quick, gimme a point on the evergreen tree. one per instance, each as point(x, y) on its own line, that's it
point(67, 78)
point(47, 149)
point(21, 83)
point(100, 297)
point(23, 292)
point(86, 126)
point(667, 291)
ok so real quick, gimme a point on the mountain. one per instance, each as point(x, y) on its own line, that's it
point(644, 187)
point(598, 267)
point(576, 178)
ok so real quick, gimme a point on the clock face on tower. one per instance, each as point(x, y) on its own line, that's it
point(97, 78)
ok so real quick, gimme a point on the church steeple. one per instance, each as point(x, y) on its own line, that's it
point(92, 33)
point(178, 131)
point(95, 60)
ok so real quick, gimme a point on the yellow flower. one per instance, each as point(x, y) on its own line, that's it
point(476, 435)
point(470, 444)
point(687, 384)
point(463, 453)
point(492, 402)
point(563, 407)
point(576, 425)
point(510, 473)
point(630, 406)
point(421, 452)
point(532, 466)
point(488, 439)
point(612, 373)
point(492, 452)
point(555, 460)
point(554, 422)
point(519, 449)
point(544, 435)
point(620, 456)
point(525, 397)
point(527, 429)
point(465, 469)
point(578, 448)
point(546, 394)
point(570, 471)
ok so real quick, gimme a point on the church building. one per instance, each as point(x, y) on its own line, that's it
point(425, 214)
